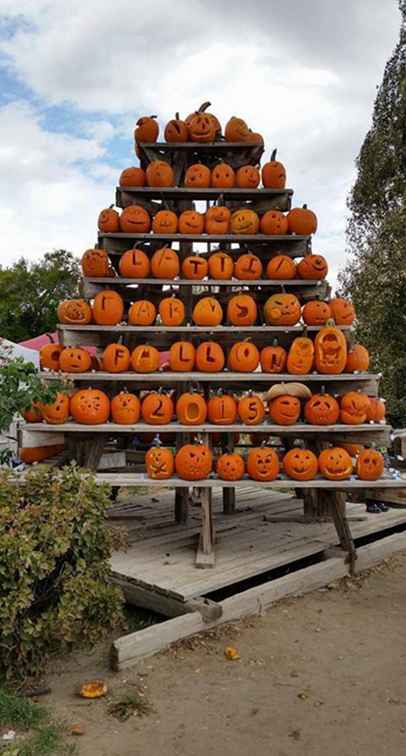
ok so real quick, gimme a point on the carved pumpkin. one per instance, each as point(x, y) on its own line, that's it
point(263, 464)
point(207, 312)
point(273, 358)
point(182, 356)
point(191, 409)
point(116, 358)
point(217, 220)
point(159, 463)
point(209, 357)
point(133, 176)
point(301, 356)
point(274, 173)
point(376, 410)
point(335, 464)
point(223, 176)
point(248, 267)
point(31, 454)
point(108, 221)
point(165, 263)
point(302, 221)
point(56, 412)
point(108, 307)
point(125, 408)
point(222, 409)
point(242, 310)
point(145, 359)
point(354, 408)
point(312, 267)
point(191, 222)
point(282, 309)
point(172, 311)
point(176, 130)
point(74, 360)
point(221, 266)
point(353, 449)
point(157, 409)
point(90, 406)
point(74, 312)
point(49, 356)
point(134, 263)
point(285, 409)
point(202, 128)
point(33, 414)
point(147, 129)
point(251, 409)
point(301, 464)
point(135, 220)
point(248, 177)
point(357, 359)
point(330, 351)
point(195, 267)
point(243, 357)
point(369, 464)
point(230, 467)
point(244, 221)
point(203, 109)
point(142, 313)
point(193, 462)
point(165, 222)
point(197, 176)
point(95, 263)
point(160, 174)
point(281, 268)
point(322, 409)
point(316, 313)
point(236, 130)
point(274, 223)
point(342, 311)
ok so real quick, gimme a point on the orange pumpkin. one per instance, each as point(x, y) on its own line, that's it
point(134, 263)
point(49, 356)
point(369, 464)
point(221, 266)
point(108, 221)
point(197, 176)
point(281, 268)
point(176, 130)
point(191, 222)
point(56, 412)
point(285, 409)
point(74, 360)
point(376, 410)
point(108, 307)
point(330, 351)
point(282, 309)
point(160, 174)
point(236, 130)
point(191, 409)
point(31, 454)
point(273, 358)
point(242, 310)
point(301, 464)
point(193, 462)
point(133, 176)
point(251, 409)
point(222, 409)
point(357, 359)
point(354, 408)
point(316, 313)
point(33, 414)
point(147, 129)
point(116, 358)
point(217, 220)
point(322, 409)
point(223, 176)
point(182, 356)
point(165, 263)
point(74, 312)
point(263, 464)
point(159, 463)
point(135, 220)
point(274, 223)
point(312, 267)
point(202, 128)
point(207, 312)
point(335, 464)
point(248, 177)
point(353, 449)
point(274, 173)
point(301, 356)
point(248, 267)
point(145, 359)
point(203, 109)
point(195, 267)
point(165, 222)
point(230, 467)
point(302, 221)
point(342, 311)
point(244, 221)
point(95, 263)
point(142, 313)
point(209, 357)
point(172, 311)
point(125, 408)
point(90, 406)
point(157, 409)
point(243, 357)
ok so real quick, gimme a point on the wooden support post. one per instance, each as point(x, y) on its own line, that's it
point(205, 556)
point(344, 534)
point(229, 493)
point(181, 494)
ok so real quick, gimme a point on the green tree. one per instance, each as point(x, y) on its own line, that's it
point(30, 293)
point(375, 274)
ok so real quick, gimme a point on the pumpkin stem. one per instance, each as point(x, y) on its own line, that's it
point(177, 117)
point(204, 107)
point(273, 154)
point(275, 343)
point(304, 207)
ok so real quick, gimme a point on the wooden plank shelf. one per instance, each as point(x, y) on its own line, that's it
point(139, 479)
point(183, 192)
point(210, 238)
point(200, 147)
point(276, 430)
point(237, 332)
point(234, 282)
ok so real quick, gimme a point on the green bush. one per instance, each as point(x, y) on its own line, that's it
point(54, 566)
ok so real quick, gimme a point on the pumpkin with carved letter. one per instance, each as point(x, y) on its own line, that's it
point(145, 359)
point(157, 408)
point(191, 409)
point(182, 355)
point(142, 313)
point(116, 358)
point(243, 357)
point(209, 357)
point(251, 409)
point(108, 307)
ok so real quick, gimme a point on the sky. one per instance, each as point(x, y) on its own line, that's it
point(75, 77)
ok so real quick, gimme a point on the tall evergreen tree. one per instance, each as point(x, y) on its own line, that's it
point(375, 274)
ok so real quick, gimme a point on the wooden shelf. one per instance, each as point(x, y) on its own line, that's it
point(274, 430)
point(265, 282)
point(183, 192)
point(225, 377)
point(193, 329)
point(200, 147)
point(210, 238)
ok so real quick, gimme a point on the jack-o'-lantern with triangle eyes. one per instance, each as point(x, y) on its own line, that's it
point(207, 312)
point(197, 176)
point(172, 311)
point(209, 357)
point(108, 307)
point(281, 268)
point(343, 311)
point(312, 268)
point(116, 358)
point(300, 356)
point(369, 465)
point(248, 177)
point(159, 463)
point(248, 267)
point(316, 313)
point(195, 267)
point(191, 222)
point(282, 309)
point(165, 222)
point(135, 220)
point(125, 408)
point(322, 409)
point(263, 464)
point(273, 358)
point(182, 356)
point(242, 310)
point(222, 176)
point(157, 408)
point(217, 220)
point(222, 409)
point(244, 221)
point(301, 464)
point(354, 408)
point(134, 263)
point(142, 313)
point(230, 467)
point(251, 409)
point(335, 464)
point(330, 351)
point(165, 263)
point(194, 462)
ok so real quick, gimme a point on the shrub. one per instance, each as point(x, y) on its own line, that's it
point(54, 566)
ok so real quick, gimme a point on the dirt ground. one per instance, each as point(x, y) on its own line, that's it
point(322, 674)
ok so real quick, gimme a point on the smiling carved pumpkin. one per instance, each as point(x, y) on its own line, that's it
point(285, 409)
point(369, 464)
point(194, 462)
point(312, 267)
point(244, 222)
point(263, 464)
point(301, 464)
point(330, 350)
point(316, 312)
point(197, 176)
point(222, 176)
point(74, 312)
point(217, 220)
point(274, 223)
point(274, 173)
point(322, 409)
point(159, 463)
point(282, 309)
point(248, 267)
point(230, 467)
point(248, 177)
point(301, 356)
point(335, 464)
point(160, 174)
point(202, 128)
point(165, 222)
point(281, 268)
point(135, 220)
point(191, 222)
